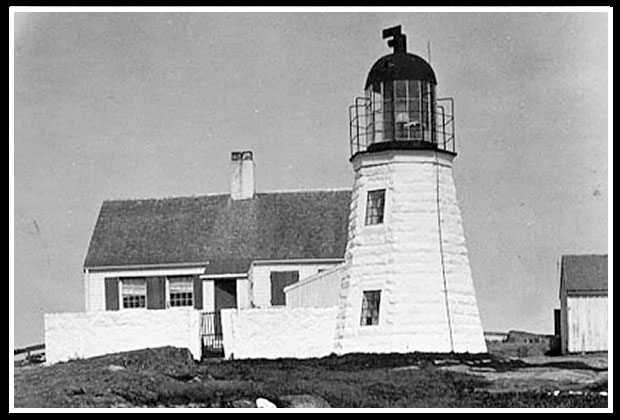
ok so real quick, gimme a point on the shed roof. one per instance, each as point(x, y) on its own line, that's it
point(584, 274)
point(228, 234)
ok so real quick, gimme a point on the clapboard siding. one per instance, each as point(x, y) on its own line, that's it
point(260, 278)
point(96, 295)
point(319, 291)
point(587, 323)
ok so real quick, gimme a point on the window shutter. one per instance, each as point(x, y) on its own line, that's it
point(111, 294)
point(197, 292)
point(156, 293)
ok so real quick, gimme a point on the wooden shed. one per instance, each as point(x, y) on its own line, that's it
point(583, 300)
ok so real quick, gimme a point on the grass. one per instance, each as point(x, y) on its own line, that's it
point(169, 377)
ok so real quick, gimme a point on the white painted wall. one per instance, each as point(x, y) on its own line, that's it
point(402, 257)
point(273, 333)
point(587, 323)
point(243, 294)
point(260, 281)
point(208, 295)
point(465, 319)
point(87, 290)
point(318, 291)
point(95, 280)
point(88, 334)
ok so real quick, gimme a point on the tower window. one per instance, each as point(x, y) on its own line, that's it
point(370, 307)
point(375, 206)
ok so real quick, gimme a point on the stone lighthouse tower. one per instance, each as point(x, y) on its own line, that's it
point(408, 284)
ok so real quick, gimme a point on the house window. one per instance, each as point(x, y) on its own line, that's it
point(375, 207)
point(370, 307)
point(133, 293)
point(181, 291)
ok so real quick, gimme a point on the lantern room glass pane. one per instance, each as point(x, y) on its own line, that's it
point(413, 108)
point(400, 88)
point(401, 118)
point(377, 116)
point(400, 110)
point(414, 89)
point(428, 113)
point(388, 111)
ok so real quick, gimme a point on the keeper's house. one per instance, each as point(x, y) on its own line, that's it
point(159, 272)
point(583, 303)
point(213, 252)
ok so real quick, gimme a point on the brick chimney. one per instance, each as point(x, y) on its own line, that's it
point(241, 175)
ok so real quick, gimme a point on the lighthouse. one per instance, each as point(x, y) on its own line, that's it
point(407, 284)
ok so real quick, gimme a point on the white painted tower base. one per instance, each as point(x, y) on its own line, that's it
point(417, 257)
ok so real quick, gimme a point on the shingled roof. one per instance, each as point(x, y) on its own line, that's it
point(584, 274)
point(228, 234)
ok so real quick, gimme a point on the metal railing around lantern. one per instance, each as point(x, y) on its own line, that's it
point(369, 128)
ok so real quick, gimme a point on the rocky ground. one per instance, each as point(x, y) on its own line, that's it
point(168, 377)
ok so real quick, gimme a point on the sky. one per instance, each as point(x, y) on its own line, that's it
point(150, 105)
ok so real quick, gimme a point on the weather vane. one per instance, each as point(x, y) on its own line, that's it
point(398, 41)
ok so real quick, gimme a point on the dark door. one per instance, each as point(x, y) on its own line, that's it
point(279, 280)
point(225, 294)
point(225, 298)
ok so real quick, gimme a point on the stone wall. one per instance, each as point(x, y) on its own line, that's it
point(88, 334)
point(273, 333)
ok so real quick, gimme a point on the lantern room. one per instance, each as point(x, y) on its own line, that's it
point(400, 108)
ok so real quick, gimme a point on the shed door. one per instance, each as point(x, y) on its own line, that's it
point(279, 280)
